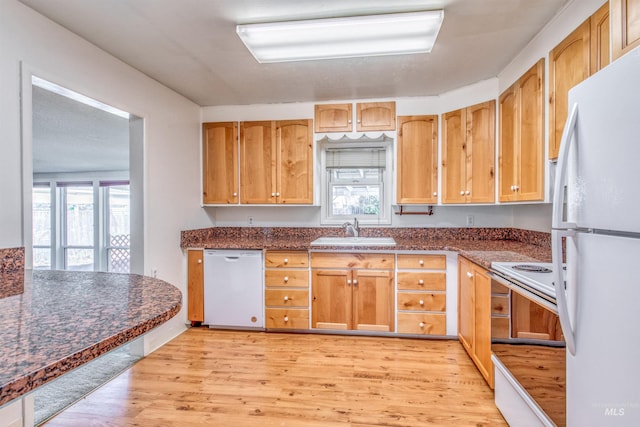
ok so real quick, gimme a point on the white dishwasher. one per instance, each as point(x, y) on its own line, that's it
point(233, 289)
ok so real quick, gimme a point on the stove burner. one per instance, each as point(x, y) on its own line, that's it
point(531, 268)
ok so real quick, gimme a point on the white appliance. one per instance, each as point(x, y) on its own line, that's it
point(233, 289)
point(597, 212)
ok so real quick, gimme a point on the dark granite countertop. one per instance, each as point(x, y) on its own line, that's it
point(481, 245)
point(64, 319)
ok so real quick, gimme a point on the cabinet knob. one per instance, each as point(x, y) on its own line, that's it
point(421, 302)
point(286, 260)
point(420, 282)
point(462, 193)
point(468, 192)
point(355, 282)
point(422, 324)
point(199, 261)
point(286, 298)
point(286, 279)
point(277, 194)
point(235, 194)
point(469, 274)
point(516, 188)
point(348, 282)
point(286, 319)
point(273, 194)
point(435, 194)
point(513, 188)
point(349, 121)
point(421, 262)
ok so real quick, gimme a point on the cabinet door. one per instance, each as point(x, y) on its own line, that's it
point(375, 116)
point(332, 300)
point(417, 159)
point(482, 324)
point(480, 147)
point(568, 66)
point(507, 144)
point(373, 302)
point(220, 163)
point(333, 118)
point(295, 162)
point(530, 154)
point(257, 162)
point(195, 285)
point(466, 312)
point(625, 26)
point(454, 157)
point(600, 39)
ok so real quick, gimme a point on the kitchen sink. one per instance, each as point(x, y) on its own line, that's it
point(354, 241)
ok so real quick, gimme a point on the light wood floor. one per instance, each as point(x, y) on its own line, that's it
point(226, 378)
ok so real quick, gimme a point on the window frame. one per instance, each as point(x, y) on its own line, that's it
point(384, 216)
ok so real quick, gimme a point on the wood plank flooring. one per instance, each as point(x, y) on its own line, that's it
point(230, 378)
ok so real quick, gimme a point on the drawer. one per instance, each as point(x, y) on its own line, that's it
point(287, 318)
point(352, 260)
point(499, 304)
point(422, 280)
point(422, 261)
point(497, 288)
point(279, 259)
point(499, 327)
point(422, 301)
point(422, 323)
point(284, 277)
point(286, 297)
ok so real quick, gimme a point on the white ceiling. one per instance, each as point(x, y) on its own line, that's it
point(191, 46)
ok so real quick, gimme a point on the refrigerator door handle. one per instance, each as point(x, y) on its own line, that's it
point(557, 221)
point(560, 287)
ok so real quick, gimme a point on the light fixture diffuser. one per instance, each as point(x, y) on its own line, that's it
point(356, 36)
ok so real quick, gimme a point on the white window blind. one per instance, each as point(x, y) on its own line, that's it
point(365, 157)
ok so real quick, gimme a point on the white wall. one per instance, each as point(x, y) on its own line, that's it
point(30, 43)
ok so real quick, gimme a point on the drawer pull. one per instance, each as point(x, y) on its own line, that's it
point(420, 282)
point(286, 279)
point(286, 298)
point(421, 302)
point(469, 274)
point(286, 319)
point(421, 262)
point(422, 324)
point(286, 260)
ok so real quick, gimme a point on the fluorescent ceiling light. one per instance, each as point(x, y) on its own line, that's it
point(373, 35)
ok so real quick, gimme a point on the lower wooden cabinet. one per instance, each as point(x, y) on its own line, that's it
point(474, 315)
point(286, 294)
point(352, 291)
point(195, 285)
point(421, 297)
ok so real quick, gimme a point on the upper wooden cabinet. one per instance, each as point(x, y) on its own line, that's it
point(625, 26)
point(220, 163)
point(568, 66)
point(468, 150)
point(374, 116)
point(417, 178)
point(521, 138)
point(333, 118)
point(276, 162)
point(600, 39)
point(370, 116)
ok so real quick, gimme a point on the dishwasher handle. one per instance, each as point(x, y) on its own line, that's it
point(231, 258)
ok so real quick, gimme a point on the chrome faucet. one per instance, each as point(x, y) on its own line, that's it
point(352, 227)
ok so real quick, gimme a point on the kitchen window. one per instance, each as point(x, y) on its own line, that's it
point(355, 177)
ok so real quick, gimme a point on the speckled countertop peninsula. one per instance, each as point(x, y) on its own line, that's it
point(64, 319)
point(481, 245)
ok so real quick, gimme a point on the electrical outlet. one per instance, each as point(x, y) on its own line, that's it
point(469, 219)
point(250, 220)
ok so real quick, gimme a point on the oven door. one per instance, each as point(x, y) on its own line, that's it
point(529, 355)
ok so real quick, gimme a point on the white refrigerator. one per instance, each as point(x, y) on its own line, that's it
point(597, 213)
